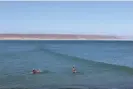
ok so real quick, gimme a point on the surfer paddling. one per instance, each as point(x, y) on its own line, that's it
point(74, 70)
point(35, 71)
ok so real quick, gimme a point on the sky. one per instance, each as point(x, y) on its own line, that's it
point(108, 18)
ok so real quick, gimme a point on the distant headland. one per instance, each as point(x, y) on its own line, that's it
point(57, 37)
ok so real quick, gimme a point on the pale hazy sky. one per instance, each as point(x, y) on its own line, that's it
point(110, 18)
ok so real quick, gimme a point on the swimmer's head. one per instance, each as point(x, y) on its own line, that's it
point(73, 66)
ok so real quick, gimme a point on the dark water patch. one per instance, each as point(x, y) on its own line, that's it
point(77, 86)
point(72, 87)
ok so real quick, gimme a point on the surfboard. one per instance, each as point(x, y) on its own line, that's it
point(80, 73)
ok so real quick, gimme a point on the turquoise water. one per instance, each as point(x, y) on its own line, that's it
point(101, 64)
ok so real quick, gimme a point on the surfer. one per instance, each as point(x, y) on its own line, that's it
point(74, 70)
point(35, 71)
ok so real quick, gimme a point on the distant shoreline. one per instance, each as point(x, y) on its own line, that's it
point(60, 37)
point(63, 40)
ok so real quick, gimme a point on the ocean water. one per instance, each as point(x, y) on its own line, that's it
point(100, 64)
